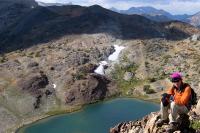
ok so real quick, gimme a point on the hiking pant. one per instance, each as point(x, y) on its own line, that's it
point(175, 110)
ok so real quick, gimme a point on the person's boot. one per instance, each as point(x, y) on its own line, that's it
point(161, 122)
point(172, 127)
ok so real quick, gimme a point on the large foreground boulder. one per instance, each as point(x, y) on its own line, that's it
point(147, 125)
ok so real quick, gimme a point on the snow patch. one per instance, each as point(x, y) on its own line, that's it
point(113, 57)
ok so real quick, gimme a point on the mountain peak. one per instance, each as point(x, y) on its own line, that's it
point(194, 20)
point(144, 9)
point(147, 11)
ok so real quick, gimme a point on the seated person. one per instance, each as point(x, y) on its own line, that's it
point(177, 100)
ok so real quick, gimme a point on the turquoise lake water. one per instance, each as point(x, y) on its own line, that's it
point(95, 118)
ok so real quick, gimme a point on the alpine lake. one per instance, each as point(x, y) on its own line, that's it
point(94, 118)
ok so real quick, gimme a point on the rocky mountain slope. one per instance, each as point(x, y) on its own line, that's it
point(156, 17)
point(150, 10)
point(161, 15)
point(11, 11)
point(193, 20)
point(146, 9)
point(43, 24)
point(64, 45)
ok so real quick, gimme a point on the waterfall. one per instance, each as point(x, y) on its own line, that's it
point(112, 57)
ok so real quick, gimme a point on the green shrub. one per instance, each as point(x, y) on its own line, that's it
point(144, 42)
point(37, 54)
point(52, 68)
point(22, 54)
point(50, 47)
point(152, 80)
point(31, 53)
point(2, 59)
point(16, 61)
point(87, 50)
point(166, 58)
point(196, 124)
point(146, 87)
point(83, 84)
point(125, 59)
point(17, 51)
point(30, 56)
point(131, 68)
point(147, 63)
point(150, 91)
point(84, 71)
point(78, 76)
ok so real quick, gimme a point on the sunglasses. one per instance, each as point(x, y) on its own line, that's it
point(175, 80)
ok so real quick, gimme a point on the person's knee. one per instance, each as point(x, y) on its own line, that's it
point(172, 105)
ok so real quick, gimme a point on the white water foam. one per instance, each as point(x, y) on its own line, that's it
point(114, 56)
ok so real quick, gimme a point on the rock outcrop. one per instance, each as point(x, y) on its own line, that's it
point(84, 86)
point(148, 124)
point(33, 83)
point(95, 88)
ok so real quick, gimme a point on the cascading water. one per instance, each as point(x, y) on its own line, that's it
point(112, 57)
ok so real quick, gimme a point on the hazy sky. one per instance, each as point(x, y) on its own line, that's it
point(172, 6)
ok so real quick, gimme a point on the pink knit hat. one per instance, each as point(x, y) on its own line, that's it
point(176, 75)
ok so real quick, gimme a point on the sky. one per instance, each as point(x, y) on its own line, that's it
point(174, 7)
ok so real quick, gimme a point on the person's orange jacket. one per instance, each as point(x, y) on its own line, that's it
point(181, 98)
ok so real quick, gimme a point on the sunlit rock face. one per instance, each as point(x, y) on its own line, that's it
point(148, 123)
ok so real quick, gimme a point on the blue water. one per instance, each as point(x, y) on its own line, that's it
point(96, 118)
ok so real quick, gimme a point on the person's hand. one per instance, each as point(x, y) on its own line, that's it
point(170, 100)
point(166, 95)
point(164, 101)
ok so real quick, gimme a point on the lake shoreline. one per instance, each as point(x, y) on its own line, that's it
point(72, 110)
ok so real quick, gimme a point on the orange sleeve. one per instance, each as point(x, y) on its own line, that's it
point(183, 97)
point(170, 90)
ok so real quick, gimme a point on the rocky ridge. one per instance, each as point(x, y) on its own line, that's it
point(11, 11)
point(148, 124)
point(161, 15)
point(194, 20)
point(48, 24)
point(156, 17)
